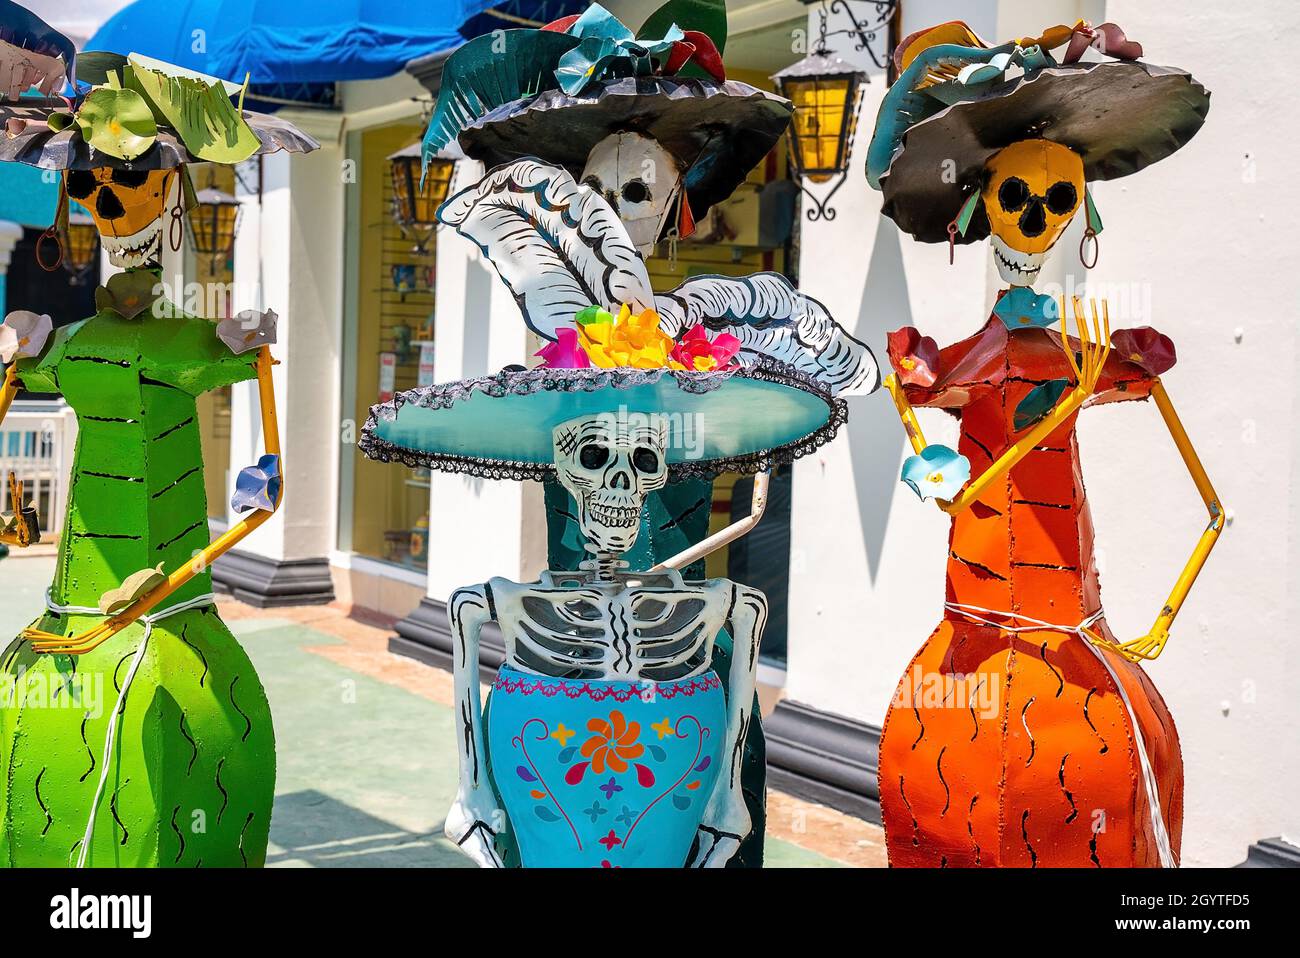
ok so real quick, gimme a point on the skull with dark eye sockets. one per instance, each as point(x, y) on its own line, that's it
point(639, 179)
point(127, 206)
point(609, 464)
point(1032, 190)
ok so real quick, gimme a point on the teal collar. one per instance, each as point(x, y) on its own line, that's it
point(1020, 306)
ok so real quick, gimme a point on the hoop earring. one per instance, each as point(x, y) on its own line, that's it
point(49, 234)
point(176, 231)
point(53, 233)
point(1089, 234)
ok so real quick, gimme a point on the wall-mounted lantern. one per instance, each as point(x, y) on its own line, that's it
point(80, 242)
point(213, 221)
point(826, 92)
point(415, 203)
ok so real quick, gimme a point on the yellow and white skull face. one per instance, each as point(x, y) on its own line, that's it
point(127, 206)
point(1032, 190)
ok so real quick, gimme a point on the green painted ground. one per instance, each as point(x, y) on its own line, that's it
point(366, 770)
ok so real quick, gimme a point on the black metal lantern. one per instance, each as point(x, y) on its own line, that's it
point(826, 92)
point(213, 221)
point(417, 194)
point(80, 242)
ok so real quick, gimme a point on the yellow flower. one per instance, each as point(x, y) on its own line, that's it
point(635, 341)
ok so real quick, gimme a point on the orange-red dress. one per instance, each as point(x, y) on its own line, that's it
point(1013, 744)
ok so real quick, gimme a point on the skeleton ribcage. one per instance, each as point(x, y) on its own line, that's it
point(653, 634)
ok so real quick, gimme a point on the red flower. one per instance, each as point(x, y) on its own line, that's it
point(697, 48)
point(1146, 348)
point(697, 353)
point(914, 357)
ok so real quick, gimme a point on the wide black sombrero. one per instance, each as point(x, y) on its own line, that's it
point(556, 92)
point(716, 131)
point(1120, 116)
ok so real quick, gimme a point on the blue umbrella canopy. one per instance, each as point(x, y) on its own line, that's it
point(279, 43)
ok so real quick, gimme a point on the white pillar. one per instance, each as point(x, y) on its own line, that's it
point(289, 257)
point(478, 528)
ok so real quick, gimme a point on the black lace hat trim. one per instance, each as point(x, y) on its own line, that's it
point(525, 382)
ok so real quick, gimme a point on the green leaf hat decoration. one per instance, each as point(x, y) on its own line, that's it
point(197, 108)
point(143, 114)
point(117, 122)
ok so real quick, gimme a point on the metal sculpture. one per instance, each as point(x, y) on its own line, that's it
point(137, 732)
point(623, 729)
point(1073, 759)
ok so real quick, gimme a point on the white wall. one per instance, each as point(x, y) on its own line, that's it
point(1196, 246)
point(478, 528)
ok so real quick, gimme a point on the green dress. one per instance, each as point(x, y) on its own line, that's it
point(192, 772)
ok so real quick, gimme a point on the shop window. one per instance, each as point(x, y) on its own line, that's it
point(393, 351)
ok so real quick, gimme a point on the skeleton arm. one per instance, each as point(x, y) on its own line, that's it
point(1152, 644)
point(1094, 351)
point(726, 819)
point(86, 641)
point(470, 823)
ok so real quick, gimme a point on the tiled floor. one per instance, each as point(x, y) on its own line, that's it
point(363, 738)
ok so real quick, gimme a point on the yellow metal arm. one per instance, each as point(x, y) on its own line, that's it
point(1094, 350)
point(906, 414)
point(27, 529)
point(88, 640)
point(1153, 643)
point(9, 390)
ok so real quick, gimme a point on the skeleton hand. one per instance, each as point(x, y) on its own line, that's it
point(473, 824)
point(1148, 647)
point(1093, 350)
point(714, 848)
point(23, 527)
point(725, 823)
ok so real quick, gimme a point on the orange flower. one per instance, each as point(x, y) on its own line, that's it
point(614, 741)
point(625, 340)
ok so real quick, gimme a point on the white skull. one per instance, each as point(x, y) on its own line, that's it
point(639, 179)
point(609, 463)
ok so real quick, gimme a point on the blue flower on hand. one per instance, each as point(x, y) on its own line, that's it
point(937, 473)
point(258, 487)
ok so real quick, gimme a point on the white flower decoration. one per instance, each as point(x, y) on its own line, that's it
point(248, 330)
point(23, 333)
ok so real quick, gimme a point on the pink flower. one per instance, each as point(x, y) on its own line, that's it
point(1152, 351)
point(566, 352)
point(914, 357)
point(697, 353)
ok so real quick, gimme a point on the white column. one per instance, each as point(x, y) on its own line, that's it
point(478, 528)
point(289, 257)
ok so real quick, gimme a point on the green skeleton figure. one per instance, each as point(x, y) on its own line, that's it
point(193, 765)
point(133, 729)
